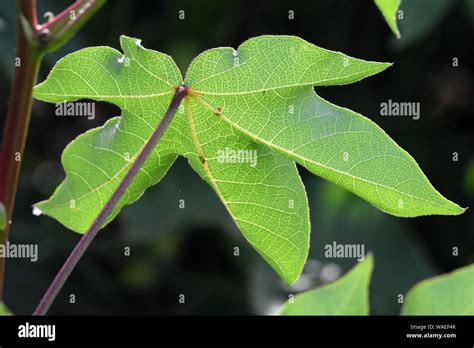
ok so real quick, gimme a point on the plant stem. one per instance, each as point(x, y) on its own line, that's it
point(28, 60)
point(86, 240)
point(32, 42)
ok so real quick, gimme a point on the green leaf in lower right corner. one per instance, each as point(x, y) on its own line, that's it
point(389, 9)
point(447, 294)
point(348, 295)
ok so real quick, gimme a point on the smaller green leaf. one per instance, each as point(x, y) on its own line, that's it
point(448, 294)
point(348, 295)
point(4, 310)
point(389, 10)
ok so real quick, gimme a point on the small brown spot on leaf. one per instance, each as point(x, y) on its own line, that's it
point(202, 159)
point(218, 111)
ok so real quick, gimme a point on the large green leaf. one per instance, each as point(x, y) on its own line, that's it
point(389, 9)
point(249, 115)
point(348, 295)
point(447, 294)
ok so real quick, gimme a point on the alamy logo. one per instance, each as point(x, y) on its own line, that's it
point(85, 109)
point(346, 251)
point(237, 156)
point(37, 331)
point(19, 251)
point(392, 108)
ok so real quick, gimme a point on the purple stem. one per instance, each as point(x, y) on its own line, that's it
point(86, 240)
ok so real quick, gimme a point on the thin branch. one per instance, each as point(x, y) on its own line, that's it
point(62, 27)
point(32, 42)
point(27, 62)
point(86, 240)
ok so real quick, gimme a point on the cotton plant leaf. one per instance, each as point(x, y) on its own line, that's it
point(448, 294)
point(389, 9)
point(348, 295)
point(249, 115)
point(276, 106)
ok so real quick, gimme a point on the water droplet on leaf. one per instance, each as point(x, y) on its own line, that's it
point(37, 211)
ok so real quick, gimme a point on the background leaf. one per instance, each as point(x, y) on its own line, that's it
point(4, 310)
point(389, 11)
point(420, 18)
point(397, 244)
point(447, 294)
point(348, 295)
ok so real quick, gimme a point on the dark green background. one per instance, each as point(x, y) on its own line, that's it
point(190, 251)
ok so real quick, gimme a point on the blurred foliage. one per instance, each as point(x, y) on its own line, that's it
point(191, 251)
point(4, 310)
point(469, 179)
point(7, 39)
point(447, 294)
point(349, 295)
point(420, 17)
point(401, 259)
point(389, 10)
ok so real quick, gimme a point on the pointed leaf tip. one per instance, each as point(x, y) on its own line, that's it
point(389, 9)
